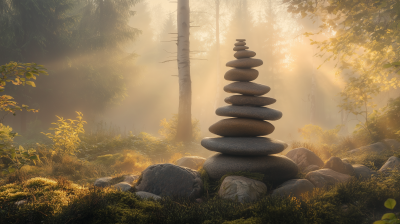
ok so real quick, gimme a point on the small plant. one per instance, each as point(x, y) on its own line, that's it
point(389, 217)
point(15, 158)
point(66, 134)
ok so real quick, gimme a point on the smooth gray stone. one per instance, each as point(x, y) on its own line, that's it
point(242, 75)
point(146, 195)
point(244, 146)
point(240, 43)
point(362, 172)
point(241, 127)
point(326, 177)
point(170, 180)
point(103, 182)
point(392, 164)
point(276, 168)
point(261, 113)
point(336, 164)
point(294, 188)
point(255, 101)
point(304, 158)
point(245, 63)
point(247, 88)
point(240, 48)
point(242, 189)
point(123, 186)
point(244, 54)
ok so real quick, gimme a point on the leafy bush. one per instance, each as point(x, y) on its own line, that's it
point(66, 134)
point(14, 158)
point(389, 217)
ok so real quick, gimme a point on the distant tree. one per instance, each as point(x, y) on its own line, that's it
point(184, 128)
point(365, 43)
point(81, 42)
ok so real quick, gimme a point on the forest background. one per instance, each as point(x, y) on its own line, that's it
point(105, 59)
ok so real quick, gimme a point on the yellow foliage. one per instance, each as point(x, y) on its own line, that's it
point(315, 133)
point(133, 162)
point(175, 157)
point(169, 127)
point(66, 134)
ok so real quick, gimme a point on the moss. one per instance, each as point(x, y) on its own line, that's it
point(40, 182)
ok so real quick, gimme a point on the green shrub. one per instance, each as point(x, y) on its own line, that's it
point(66, 134)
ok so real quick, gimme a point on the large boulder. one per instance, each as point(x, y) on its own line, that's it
point(393, 144)
point(310, 168)
point(362, 172)
point(393, 163)
point(294, 187)
point(170, 180)
point(304, 158)
point(276, 168)
point(192, 162)
point(336, 164)
point(103, 182)
point(241, 188)
point(326, 177)
point(377, 147)
point(147, 195)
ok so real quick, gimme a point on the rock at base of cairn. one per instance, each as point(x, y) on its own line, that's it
point(276, 168)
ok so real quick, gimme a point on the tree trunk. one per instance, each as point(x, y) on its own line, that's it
point(218, 61)
point(184, 129)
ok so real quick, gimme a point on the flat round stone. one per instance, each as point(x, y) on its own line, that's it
point(241, 127)
point(240, 43)
point(244, 146)
point(261, 113)
point(241, 100)
point(240, 48)
point(244, 54)
point(244, 63)
point(240, 40)
point(247, 88)
point(242, 75)
point(276, 168)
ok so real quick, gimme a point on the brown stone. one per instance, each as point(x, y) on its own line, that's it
point(241, 100)
point(170, 180)
point(247, 88)
point(244, 146)
point(261, 113)
point(240, 43)
point(242, 75)
point(326, 177)
point(244, 63)
point(240, 40)
point(304, 157)
point(276, 168)
point(244, 54)
point(336, 164)
point(241, 127)
point(240, 48)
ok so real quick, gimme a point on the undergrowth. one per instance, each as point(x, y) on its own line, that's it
point(61, 201)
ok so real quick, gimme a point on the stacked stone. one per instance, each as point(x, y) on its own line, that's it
point(241, 148)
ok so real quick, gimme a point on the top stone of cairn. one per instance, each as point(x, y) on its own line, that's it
point(241, 40)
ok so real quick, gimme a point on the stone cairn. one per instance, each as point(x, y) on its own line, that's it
point(240, 147)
